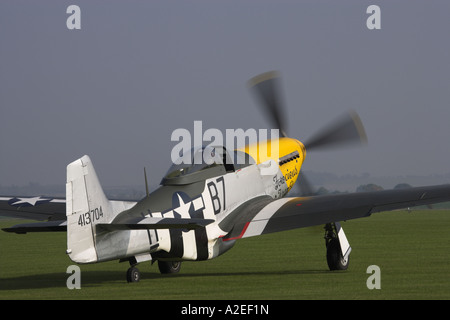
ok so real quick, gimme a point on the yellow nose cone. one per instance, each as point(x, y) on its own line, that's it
point(289, 153)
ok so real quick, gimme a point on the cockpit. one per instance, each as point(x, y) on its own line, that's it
point(205, 162)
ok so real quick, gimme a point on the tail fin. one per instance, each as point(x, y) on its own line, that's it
point(86, 205)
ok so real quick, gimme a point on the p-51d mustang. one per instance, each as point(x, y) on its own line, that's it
point(203, 207)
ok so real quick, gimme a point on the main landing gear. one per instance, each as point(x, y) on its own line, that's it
point(165, 267)
point(133, 274)
point(338, 248)
point(169, 266)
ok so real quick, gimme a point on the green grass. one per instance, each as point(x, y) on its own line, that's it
point(412, 250)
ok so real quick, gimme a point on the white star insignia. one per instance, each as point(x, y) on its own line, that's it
point(183, 208)
point(28, 201)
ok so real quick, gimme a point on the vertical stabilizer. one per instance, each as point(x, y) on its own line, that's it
point(86, 205)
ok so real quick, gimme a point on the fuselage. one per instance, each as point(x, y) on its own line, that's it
point(213, 192)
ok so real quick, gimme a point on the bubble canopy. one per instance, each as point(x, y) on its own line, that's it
point(204, 162)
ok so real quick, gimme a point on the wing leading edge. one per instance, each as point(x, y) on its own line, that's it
point(299, 212)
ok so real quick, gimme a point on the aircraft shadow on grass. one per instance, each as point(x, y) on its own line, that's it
point(97, 278)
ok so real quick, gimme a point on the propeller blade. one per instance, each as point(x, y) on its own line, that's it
point(345, 130)
point(266, 87)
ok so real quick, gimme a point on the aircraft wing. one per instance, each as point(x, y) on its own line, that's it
point(155, 223)
point(34, 208)
point(262, 215)
point(51, 211)
point(47, 226)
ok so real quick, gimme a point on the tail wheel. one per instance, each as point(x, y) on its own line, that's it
point(335, 259)
point(169, 266)
point(133, 275)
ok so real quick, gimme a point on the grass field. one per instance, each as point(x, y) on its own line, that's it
point(411, 249)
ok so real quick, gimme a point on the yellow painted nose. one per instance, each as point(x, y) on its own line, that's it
point(289, 153)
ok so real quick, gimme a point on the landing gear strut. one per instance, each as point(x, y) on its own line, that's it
point(334, 239)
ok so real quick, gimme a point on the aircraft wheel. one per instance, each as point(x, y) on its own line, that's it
point(335, 259)
point(169, 266)
point(133, 275)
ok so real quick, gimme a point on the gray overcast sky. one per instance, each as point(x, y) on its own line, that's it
point(137, 70)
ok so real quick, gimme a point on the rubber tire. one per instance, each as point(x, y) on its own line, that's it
point(133, 275)
point(335, 259)
point(169, 266)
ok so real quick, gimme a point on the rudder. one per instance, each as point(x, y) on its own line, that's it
point(86, 205)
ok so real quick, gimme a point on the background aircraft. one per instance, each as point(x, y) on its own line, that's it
point(202, 208)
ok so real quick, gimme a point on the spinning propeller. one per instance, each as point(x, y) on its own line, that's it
point(345, 130)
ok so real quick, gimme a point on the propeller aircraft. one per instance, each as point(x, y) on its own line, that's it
point(202, 208)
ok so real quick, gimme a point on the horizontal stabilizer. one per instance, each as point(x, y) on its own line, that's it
point(38, 227)
point(155, 223)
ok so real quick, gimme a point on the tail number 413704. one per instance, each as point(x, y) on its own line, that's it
point(90, 216)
